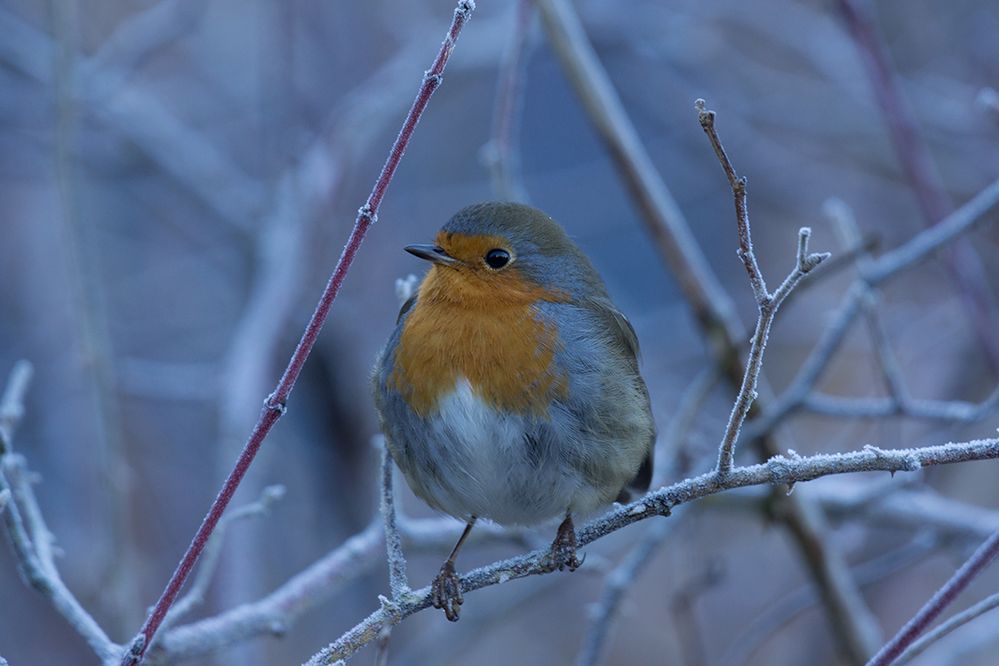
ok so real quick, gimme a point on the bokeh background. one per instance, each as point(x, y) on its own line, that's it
point(177, 179)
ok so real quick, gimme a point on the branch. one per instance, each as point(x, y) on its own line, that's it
point(209, 561)
point(275, 404)
point(780, 613)
point(275, 613)
point(501, 153)
point(398, 582)
point(12, 403)
point(963, 262)
point(779, 470)
point(616, 584)
point(766, 302)
point(975, 564)
point(956, 622)
point(659, 211)
point(713, 310)
point(28, 535)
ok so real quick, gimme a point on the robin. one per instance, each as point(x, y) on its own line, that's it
point(509, 389)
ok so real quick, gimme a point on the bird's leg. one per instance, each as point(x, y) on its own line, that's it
point(445, 591)
point(563, 552)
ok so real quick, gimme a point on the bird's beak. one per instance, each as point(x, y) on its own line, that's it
point(433, 253)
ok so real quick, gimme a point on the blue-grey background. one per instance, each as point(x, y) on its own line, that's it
point(177, 179)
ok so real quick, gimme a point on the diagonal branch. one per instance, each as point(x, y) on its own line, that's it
point(975, 564)
point(274, 405)
point(959, 620)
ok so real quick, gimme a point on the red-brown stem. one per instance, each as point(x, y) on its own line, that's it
point(943, 597)
point(274, 405)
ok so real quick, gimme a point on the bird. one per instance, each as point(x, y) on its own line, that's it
point(510, 388)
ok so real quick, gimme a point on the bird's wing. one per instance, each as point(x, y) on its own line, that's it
point(616, 322)
point(622, 330)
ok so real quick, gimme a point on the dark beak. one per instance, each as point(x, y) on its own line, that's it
point(432, 253)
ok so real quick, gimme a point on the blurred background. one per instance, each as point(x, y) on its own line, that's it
point(177, 179)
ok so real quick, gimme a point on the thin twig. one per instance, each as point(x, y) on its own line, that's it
point(398, 582)
point(767, 303)
point(659, 210)
point(274, 613)
point(770, 620)
point(779, 470)
point(615, 585)
point(501, 153)
point(956, 622)
point(210, 559)
point(12, 403)
point(924, 179)
point(275, 404)
point(713, 309)
point(29, 537)
point(382, 647)
point(975, 564)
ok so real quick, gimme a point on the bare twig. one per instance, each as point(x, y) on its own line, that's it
point(209, 560)
point(501, 153)
point(398, 582)
point(779, 470)
point(671, 443)
point(29, 537)
point(382, 647)
point(767, 303)
point(12, 403)
point(875, 273)
point(770, 620)
point(275, 404)
point(923, 177)
point(274, 613)
point(615, 586)
point(975, 564)
point(712, 307)
point(660, 212)
point(959, 620)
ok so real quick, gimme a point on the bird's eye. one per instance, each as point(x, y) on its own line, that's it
point(497, 258)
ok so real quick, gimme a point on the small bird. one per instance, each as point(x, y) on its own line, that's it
point(509, 389)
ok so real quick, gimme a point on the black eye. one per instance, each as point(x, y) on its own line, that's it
point(497, 258)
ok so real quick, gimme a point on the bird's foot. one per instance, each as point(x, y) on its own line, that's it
point(445, 591)
point(563, 550)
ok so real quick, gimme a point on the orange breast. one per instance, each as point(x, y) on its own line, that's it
point(482, 329)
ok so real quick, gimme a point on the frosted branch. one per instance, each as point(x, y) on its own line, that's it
point(767, 303)
point(398, 582)
point(779, 470)
point(29, 537)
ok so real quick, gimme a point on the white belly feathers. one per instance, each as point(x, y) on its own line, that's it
point(487, 468)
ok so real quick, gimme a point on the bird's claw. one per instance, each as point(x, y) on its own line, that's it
point(446, 592)
point(563, 551)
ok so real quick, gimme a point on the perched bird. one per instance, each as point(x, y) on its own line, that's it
point(509, 389)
